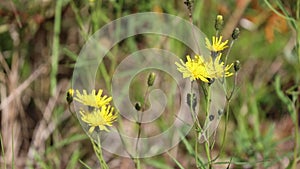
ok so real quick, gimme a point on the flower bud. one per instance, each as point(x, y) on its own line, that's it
point(138, 106)
point(219, 22)
point(151, 79)
point(235, 33)
point(188, 3)
point(236, 65)
point(70, 95)
point(211, 117)
point(211, 81)
point(220, 112)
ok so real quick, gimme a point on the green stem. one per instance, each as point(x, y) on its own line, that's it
point(296, 149)
point(137, 160)
point(79, 20)
point(208, 101)
point(196, 148)
point(98, 150)
point(207, 150)
point(12, 148)
point(198, 128)
point(55, 46)
point(225, 131)
point(298, 10)
point(207, 144)
point(297, 139)
point(2, 151)
point(194, 115)
point(227, 53)
point(193, 30)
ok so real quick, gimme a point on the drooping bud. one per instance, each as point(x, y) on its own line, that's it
point(237, 65)
point(151, 79)
point(188, 3)
point(220, 112)
point(211, 81)
point(219, 22)
point(211, 117)
point(235, 33)
point(70, 95)
point(138, 106)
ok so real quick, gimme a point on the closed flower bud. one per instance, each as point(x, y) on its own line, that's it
point(219, 22)
point(138, 106)
point(235, 33)
point(188, 3)
point(211, 117)
point(151, 79)
point(220, 112)
point(237, 65)
point(70, 95)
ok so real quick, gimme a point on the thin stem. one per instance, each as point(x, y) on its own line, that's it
point(296, 107)
point(2, 152)
point(276, 11)
point(196, 148)
point(139, 123)
point(217, 33)
point(140, 118)
point(298, 10)
point(296, 149)
point(69, 107)
point(207, 150)
point(195, 119)
point(208, 101)
point(79, 20)
point(124, 144)
point(55, 46)
point(198, 127)
point(297, 31)
point(194, 115)
point(207, 144)
point(98, 150)
point(228, 100)
point(227, 53)
point(12, 148)
point(192, 23)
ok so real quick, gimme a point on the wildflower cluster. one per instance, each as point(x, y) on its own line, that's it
point(207, 70)
point(100, 113)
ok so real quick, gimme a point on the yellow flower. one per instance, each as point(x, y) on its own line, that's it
point(193, 68)
point(217, 44)
point(93, 99)
point(216, 68)
point(99, 118)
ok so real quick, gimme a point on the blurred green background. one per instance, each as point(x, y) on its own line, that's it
point(39, 44)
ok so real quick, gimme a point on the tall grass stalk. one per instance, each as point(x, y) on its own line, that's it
point(96, 14)
point(2, 151)
point(12, 149)
point(55, 46)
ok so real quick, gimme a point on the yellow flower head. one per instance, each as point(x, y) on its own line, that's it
point(217, 44)
point(193, 68)
point(93, 99)
point(99, 118)
point(216, 68)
